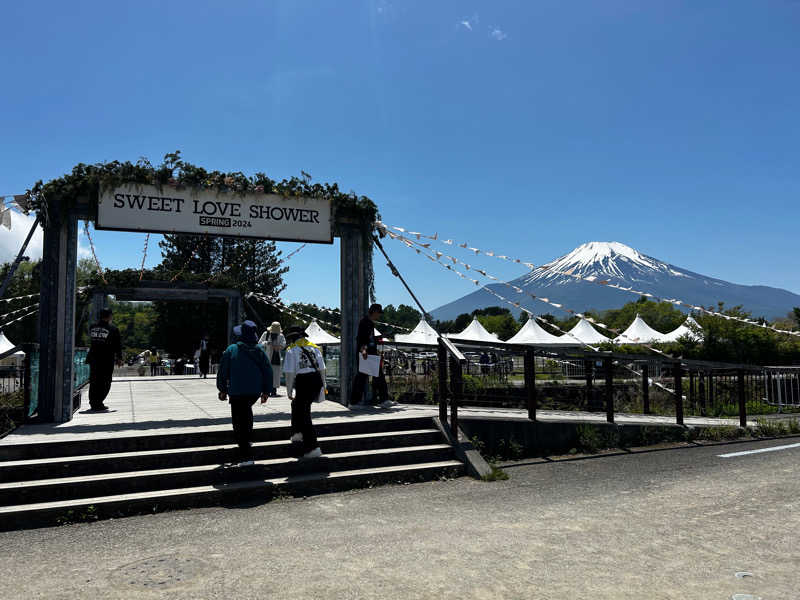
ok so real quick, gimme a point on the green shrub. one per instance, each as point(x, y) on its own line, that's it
point(592, 438)
point(496, 474)
point(772, 428)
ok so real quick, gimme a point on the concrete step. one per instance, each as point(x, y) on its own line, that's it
point(137, 441)
point(118, 462)
point(251, 489)
point(68, 488)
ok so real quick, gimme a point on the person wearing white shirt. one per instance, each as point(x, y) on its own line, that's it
point(273, 341)
point(305, 368)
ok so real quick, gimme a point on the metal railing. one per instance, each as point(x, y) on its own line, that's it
point(782, 387)
point(613, 383)
point(19, 383)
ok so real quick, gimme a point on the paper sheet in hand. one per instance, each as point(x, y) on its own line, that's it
point(370, 365)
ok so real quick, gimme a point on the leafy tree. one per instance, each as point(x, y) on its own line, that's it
point(661, 316)
point(504, 325)
point(85, 271)
point(491, 311)
point(404, 315)
point(246, 265)
point(461, 322)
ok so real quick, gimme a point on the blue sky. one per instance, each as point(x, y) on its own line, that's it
point(522, 127)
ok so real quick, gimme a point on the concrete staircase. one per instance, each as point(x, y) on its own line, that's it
point(87, 479)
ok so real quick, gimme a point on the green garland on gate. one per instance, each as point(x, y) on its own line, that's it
point(58, 197)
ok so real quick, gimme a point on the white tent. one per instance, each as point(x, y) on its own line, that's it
point(639, 332)
point(5, 346)
point(422, 335)
point(475, 332)
point(533, 334)
point(317, 335)
point(584, 331)
point(683, 330)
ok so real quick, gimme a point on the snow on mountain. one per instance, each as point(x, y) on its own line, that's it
point(620, 264)
point(603, 260)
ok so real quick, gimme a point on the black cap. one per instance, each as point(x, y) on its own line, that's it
point(105, 313)
point(375, 308)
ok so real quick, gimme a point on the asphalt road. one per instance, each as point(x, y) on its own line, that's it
point(669, 524)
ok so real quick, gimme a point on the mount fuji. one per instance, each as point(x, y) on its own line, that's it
point(619, 264)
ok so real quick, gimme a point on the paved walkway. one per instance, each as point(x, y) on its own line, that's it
point(174, 404)
point(671, 525)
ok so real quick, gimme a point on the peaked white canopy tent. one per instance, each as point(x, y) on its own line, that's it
point(475, 332)
point(534, 335)
point(684, 330)
point(587, 334)
point(13, 359)
point(639, 332)
point(317, 335)
point(422, 335)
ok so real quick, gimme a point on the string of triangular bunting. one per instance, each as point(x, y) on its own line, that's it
point(383, 227)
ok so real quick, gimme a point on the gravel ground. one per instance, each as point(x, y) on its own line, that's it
point(671, 524)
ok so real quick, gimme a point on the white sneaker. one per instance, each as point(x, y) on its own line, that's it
point(315, 453)
point(297, 437)
point(387, 404)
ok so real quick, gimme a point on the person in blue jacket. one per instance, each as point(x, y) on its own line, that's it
point(243, 376)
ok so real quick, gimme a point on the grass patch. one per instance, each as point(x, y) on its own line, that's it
point(496, 474)
point(716, 434)
point(592, 439)
point(767, 428)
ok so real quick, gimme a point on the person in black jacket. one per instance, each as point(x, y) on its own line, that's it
point(367, 345)
point(105, 351)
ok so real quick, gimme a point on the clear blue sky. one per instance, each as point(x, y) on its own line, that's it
point(523, 127)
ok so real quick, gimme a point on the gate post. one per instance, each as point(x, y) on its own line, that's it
point(442, 360)
point(742, 399)
point(592, 403)
point(529, 367)
point(645, 389)
point(678, 393)
point(608, 367)
point(57, 318)
point(356, 258)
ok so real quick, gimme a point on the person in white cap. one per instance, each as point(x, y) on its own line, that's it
point(273, 341)
point(304, 361)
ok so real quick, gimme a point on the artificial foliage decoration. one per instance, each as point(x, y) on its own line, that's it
point(56, 198)
point(85, 182)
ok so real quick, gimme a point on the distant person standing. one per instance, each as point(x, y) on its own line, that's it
point(204, 356)
point(243, 376)
point(305, 364)
point(274, 341)
point(155, 362)
point(367, 345)
point(105, 351)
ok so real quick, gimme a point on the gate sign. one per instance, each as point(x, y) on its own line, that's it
point(135, 207)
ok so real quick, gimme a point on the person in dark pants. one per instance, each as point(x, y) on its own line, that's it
point(367, 345)
point(155, 363)
point(105, 350)
point(306, 367)
point(204, 356)
point(244, 374)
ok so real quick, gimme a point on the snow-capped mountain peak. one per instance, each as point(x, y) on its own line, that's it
point(604, 260)
point(564, 280)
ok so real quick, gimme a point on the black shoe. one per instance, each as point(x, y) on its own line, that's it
point(100, 408)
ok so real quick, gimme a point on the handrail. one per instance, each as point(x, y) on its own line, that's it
point(10, 351)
